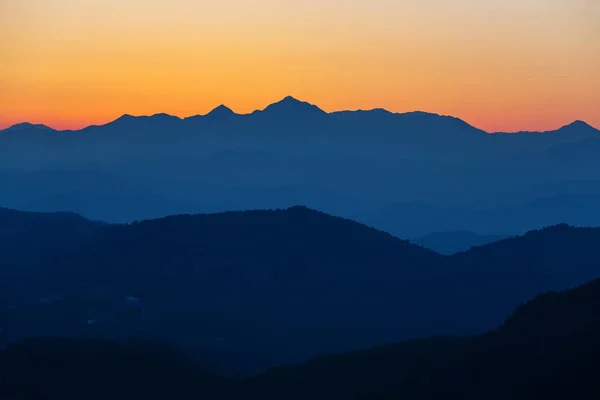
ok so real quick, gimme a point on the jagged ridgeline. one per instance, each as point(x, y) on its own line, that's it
point(411, 174)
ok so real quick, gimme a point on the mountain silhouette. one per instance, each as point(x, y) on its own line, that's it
point(41, 367)
point(578, 128)
point(367, 160)
point(205, 247)
point(373, 133)
point(27, 126)
point(30, 239)
point(221, 117)
point(221, 112)
point(291, 107)
point(547, 348)
point(156, 122)
point(280, 286)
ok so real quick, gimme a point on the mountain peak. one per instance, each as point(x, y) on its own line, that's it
point(24, 125)
point(164, 116)
point(28, 125)
point(155, 122)
point(290, 99)
point(221, 110)
point(578, 127)
point(124, 117)
point(579, 124)
point(290, 105)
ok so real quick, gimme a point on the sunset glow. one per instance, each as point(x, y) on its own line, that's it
point(500, 65)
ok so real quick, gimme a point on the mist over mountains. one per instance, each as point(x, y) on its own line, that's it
point(453, 242)
point(410, 174)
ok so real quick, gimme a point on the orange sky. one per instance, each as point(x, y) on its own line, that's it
point(498, 64)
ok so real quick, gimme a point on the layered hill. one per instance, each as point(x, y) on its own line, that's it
point(260, 288)
point(548, 348)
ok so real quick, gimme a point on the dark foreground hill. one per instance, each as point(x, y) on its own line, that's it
point(59, 368)
point(261, 288)
point(285, 285)
point(548, 349)
point(28, 240)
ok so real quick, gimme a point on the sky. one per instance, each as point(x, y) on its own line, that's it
point(501, 65)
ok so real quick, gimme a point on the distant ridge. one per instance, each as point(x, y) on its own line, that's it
point(27, 125)
point(574, 126)
point(221, 110)
point(290, 106)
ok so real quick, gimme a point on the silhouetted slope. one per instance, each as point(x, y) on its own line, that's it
point(290, 107)
point(260, 288)
point(290, 283)
point(26, 223)
point(28, 240)
point(548, 349)
point(577, 130)
point(55, 368)
point(27, 236)
point(559, 256)
point(454, 242)
point(291, 110)
point(26, 126)
point(370, 161)
point(504, 273)
point(148, 124)
point(289, 126)
point(220, 113)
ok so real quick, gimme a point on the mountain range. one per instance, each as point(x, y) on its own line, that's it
point(158, 231)
point(546, 347)
point(290, 109)
point(256, 289)
point(411, 174)
point(289, 127)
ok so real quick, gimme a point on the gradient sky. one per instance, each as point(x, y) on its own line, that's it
point(498, 64)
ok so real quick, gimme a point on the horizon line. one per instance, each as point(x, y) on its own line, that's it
point(286, 98)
